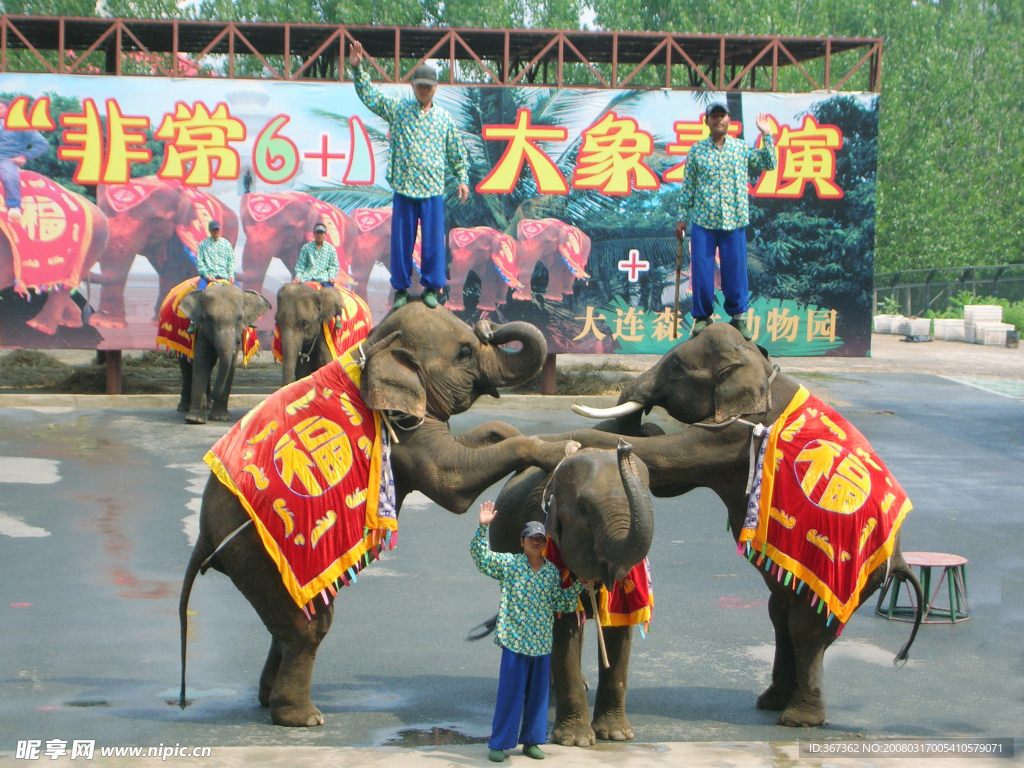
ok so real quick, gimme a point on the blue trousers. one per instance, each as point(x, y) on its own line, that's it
point(522, 689)
point(732, 247)
point(429, 212)
point(10, 175)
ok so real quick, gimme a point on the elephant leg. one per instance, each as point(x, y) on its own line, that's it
point(572, 713)
point(610, 722)
point(777, 696)
point(221, 392)
point(460, 271)
point(49, 316)
point(269, 674)
point(290, 702)
point(525, 292)
point(810, 639)
point(204, 356)
point(492, 290)
point(488, 433)
point(185, 366)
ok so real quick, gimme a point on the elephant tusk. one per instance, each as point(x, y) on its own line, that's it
point(607, 413)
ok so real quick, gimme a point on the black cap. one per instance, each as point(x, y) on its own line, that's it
point(716, 106)
point(424, 74)
point(321, 227)
point(214, 224)
point(533, 528)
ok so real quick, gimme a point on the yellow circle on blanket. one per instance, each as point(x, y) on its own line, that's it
point(832, 477)
point(313, 456)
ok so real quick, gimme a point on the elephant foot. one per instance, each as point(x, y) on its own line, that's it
point(803, 714)
point(183, 407)
point(775, 698)
point(297, 716)
point(573, 734)
point(220, 414)
point(48, 328)
point(195, 418)
point(613, 727)
point(103, 320)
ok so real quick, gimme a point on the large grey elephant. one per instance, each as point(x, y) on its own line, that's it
point(598, 511)
point(301, 312)
point(704, 382)
point(221, 313)
point(423, 366)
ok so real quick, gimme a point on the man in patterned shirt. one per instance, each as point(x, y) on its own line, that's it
point(215, 257)
point(424, 140)
point(715, 198)
point(318, 261)
point(531, 593)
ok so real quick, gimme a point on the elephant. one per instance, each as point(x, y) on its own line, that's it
point(598, 511)
point(368, 241)
point(560, 247)
point(706, 383)
point(422, 366)
point(47, 210)
point(156, 219)
point(301, 312)
point(221, 313)
point(493, 255)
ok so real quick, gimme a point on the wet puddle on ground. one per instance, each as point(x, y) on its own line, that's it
point(431, 737)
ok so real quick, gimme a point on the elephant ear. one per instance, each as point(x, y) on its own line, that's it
point(331, 304)
point(253, 306)
point(391, 382)
point(192, 306)
point(742, 384)
point(549, 504)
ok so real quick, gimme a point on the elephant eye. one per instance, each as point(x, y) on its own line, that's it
point(465, 352)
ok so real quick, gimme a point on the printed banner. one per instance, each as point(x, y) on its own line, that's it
point(570, 222)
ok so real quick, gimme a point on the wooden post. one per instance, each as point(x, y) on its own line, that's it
point(547, 375)
point(113, 371)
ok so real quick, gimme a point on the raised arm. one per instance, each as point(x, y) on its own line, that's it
point(487, 562)
point(763, 159)
point(375, 100)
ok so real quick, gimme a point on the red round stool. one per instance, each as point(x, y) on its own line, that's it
point(954, 573)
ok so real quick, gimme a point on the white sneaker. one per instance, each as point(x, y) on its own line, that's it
point(14, 215)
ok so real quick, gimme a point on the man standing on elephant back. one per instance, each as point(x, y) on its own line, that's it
point(714, 196)
point(424, 140)
point(531, 594)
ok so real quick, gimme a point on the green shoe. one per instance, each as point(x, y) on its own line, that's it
point(741, 325)
point(430, 297)
point(401, 299)
point(532, 750)
point(699, 324)
point(496, 756)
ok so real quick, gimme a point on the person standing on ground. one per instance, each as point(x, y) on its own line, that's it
point(318, 261)
point(424, 140)
point(714, 196)
point(16, 149)
point(531, 593)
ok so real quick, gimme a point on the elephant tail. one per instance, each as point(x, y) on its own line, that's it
point(194, 565)
point(480, 631)
point(905, 573)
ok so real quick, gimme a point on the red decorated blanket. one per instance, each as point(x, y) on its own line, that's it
point(826, 511)
point(51, 242)
point(630, 600)
point(310, 465)
point(172, 325)
point(355, 325)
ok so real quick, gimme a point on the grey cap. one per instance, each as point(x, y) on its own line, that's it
point(533, 528)
point(716, 106)
point(424, 74)
point(214, 224)
point(320, 227)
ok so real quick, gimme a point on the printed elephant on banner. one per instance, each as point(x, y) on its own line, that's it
point(562, 248)
point(718, 386)
point(492, 255)
point(422, 366)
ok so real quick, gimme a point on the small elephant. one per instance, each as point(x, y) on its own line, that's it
point(562, 248)
point(422, 367)
point(599, 514)
point(716, 384)
point(492, 255)
point(301, 312)
point(221, 313)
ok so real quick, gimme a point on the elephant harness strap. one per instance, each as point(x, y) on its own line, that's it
point(340, 332)
point(824, 511)
point(311, 465)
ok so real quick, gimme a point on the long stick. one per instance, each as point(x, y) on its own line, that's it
point(679, 269)
point(597, 621)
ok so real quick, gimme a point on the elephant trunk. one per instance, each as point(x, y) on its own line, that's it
point(640, 390)
point(623, 552)
point(291, 348)
point(226, 345)
point(516, 367)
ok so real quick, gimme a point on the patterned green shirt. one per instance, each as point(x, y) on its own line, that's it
point(216, 258)
point(716, 178)
point(421, 141)
point(317, 265)
point(529, 599)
